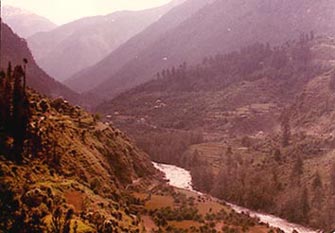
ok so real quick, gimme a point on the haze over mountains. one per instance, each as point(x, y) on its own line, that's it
point(82, 43)
point(239, 92)
point(25, 23)
point(14, 49)
point(221, 26)
point(63, 170)
point(131, 50)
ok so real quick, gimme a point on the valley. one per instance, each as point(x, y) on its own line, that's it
point(182, 116)
point(62, 170)
point(242, 136)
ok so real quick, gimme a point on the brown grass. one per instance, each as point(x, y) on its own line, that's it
point(76, 199)
point(185, 224)
point(148, 223)
point(157, 202)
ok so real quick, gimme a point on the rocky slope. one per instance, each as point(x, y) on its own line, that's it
point(89, 40)
point(25, 23)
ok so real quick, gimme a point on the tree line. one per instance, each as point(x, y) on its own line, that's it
point(14, 112)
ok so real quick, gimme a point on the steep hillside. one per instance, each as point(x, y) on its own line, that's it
point(15, 49)
point(25, 23)
point(93, 76)
point(89, 40)
point(56, 158)
point(61, 170)
point(220, 27)
point(256, 123)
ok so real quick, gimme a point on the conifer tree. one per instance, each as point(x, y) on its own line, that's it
point(304, 205)
point(20, 115)
point(286, 131)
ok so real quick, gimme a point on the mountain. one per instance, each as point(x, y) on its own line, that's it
point(89, 40)
point(62, 170)
point(132, 49)
point(222, 26)
point(254, 126)
point(25, 23)
point(14, 50)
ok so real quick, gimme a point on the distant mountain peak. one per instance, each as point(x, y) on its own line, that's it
point(105, 32)
point(25, 23)
point(9, 11)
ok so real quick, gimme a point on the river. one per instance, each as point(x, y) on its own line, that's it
point(181, 178)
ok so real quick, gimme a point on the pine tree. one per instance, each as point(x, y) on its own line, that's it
point(286, 131)
point(318, 194)
point(297, 171)
point(20, 114)
point(8, 95)
point(304, 205)
point(332, 180)
point(2, 109)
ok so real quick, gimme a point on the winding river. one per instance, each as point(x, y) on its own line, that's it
point(181, 178)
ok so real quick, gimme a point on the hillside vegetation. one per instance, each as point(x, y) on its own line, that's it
point(261, 121)
point(62, 171)
point(56, 158)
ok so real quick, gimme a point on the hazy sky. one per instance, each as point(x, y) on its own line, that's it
point(63, 11)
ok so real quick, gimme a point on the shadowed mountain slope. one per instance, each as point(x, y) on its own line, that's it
point(14, 50)
point(222, 26)
point(82, 43)
point(132, 49)
point(25, 23)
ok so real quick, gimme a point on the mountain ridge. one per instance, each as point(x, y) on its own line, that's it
point(25, 23)
point(105, 32)
point(199, 35)
point(14, 50)
point(132, 48)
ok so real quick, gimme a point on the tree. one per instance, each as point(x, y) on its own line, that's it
point(158, 76)
point(20, 115)
point(304, 205)
point(286, 130)
point(317, 183)
point(60, 223)
point(8, 206)
point(277, 155)
point(297, 170)
point(14, 115)
point(318, 194)
point(332, 180)
point(311, 35)
point(195, 158)
point(3, 112)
